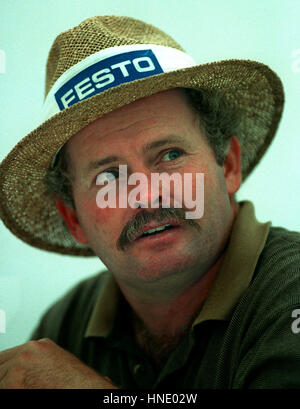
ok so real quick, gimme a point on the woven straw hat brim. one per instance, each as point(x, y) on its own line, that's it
point(31, 214)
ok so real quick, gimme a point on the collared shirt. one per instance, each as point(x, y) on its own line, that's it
point(241, 338)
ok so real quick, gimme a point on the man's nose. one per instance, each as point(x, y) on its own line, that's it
point(143, 193)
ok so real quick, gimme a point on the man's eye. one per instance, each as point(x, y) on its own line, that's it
point(107, 176)
point(172, 155)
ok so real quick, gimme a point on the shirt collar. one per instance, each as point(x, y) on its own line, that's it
point(247, 240)
point(105, 309)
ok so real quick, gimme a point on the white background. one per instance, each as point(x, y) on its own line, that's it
point(263, 30)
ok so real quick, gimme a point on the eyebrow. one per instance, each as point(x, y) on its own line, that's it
point(162, 142)
point(146, 148)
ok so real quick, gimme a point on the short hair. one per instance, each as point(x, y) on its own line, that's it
point(217, 120)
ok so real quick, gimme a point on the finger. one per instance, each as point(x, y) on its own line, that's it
point(10, 353)
point(11, 377)
point(46, 341)
point(3, 372)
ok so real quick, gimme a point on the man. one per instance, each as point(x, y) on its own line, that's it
point(205, 302)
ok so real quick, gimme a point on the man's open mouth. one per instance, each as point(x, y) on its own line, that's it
point(157, 230)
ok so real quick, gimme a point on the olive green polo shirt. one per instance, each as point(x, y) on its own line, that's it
point(241, 338)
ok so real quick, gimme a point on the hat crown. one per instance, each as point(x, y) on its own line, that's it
point(98, 33)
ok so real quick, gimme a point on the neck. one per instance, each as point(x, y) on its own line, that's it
point(169, 319)
point(158, 327)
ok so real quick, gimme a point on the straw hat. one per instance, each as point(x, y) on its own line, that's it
point(100, 65)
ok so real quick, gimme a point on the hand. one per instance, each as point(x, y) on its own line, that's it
point(44, 365)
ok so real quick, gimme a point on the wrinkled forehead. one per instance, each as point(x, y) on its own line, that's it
point(161, 113)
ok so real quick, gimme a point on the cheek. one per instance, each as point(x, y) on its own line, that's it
point(89, 211)
point(99, 224)
point(92, 219)
point(207, 192)
point(197, 181)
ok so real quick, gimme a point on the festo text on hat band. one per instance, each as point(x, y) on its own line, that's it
point(109, 68)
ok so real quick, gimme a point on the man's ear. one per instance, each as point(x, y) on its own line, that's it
point(232, 166)
point(69, 216)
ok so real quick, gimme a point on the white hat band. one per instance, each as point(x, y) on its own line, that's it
point(109, 68)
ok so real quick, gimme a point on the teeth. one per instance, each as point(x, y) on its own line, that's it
point(160, 228)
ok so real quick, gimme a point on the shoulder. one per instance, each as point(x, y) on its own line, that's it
point(68, 316)
point(264, 341)
point(281, 254)
point(284, 242)
point(275, 286)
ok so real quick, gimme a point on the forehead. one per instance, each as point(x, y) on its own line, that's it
point(157, 116)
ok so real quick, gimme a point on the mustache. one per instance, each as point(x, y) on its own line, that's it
point(134, 226)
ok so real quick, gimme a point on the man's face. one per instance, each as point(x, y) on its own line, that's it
point(183, 252)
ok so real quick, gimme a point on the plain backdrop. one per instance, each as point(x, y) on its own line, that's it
point(267, 31)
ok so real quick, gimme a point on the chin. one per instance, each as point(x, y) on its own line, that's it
point(159, 269)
